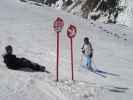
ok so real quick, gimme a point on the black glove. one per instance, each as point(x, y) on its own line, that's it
point(91, 55)
point(83, 51)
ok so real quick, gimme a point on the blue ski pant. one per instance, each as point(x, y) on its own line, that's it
point(87, 62)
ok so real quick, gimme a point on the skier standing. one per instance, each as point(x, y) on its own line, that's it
point(87, 52)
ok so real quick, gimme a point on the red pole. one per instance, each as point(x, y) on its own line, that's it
point(57, 63)
point(72, 59)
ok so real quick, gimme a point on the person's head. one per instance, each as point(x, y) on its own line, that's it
point(9, 49)
point(86, 40)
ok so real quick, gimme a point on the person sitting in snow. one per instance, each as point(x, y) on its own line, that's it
point(13, 62)
point(87, 52)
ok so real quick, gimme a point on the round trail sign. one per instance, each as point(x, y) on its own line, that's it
point(71, 31)
point(58, 24)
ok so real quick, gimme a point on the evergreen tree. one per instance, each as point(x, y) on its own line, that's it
point(50, 2)
point(112, 8)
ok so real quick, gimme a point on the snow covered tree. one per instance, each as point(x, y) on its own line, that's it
point(50, 2)
point(112, 8)
point(66, 3)
point(88, 7)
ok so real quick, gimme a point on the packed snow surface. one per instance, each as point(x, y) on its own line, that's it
point(29, 29)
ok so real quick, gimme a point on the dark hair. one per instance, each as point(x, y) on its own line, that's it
point(86, 40)
point(9, 47)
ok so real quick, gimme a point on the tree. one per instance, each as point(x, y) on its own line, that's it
point(50, 2)
point(112, 8)
point(88, 7)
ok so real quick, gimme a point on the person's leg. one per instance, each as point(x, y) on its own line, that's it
point(89, 66)
point(13, 68)
point(29, 64)
point(25, 63)
point(37, 67)
point(84, 61)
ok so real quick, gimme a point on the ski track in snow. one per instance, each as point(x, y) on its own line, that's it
point(29, 29)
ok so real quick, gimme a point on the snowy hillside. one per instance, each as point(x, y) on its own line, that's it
point(94, 9)
point(29, 29)
point(126, 17)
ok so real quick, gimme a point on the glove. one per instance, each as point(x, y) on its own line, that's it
point(91, 55)
point(83, 51)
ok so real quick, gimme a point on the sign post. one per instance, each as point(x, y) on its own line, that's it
point(58, 25)
point(71, 33)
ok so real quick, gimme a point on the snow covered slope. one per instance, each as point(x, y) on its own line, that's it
point(29, 29)
point(126, 17)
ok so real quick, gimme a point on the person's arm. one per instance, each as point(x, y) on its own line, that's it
point(5, 58)
point(91, 50)
point(83, 50)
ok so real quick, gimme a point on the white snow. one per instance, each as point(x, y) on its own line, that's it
point(126, 17)
point(29, 29)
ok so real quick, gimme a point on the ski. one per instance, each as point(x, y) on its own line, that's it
point(99, 74)
point(119, 89)
point(107, 73)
